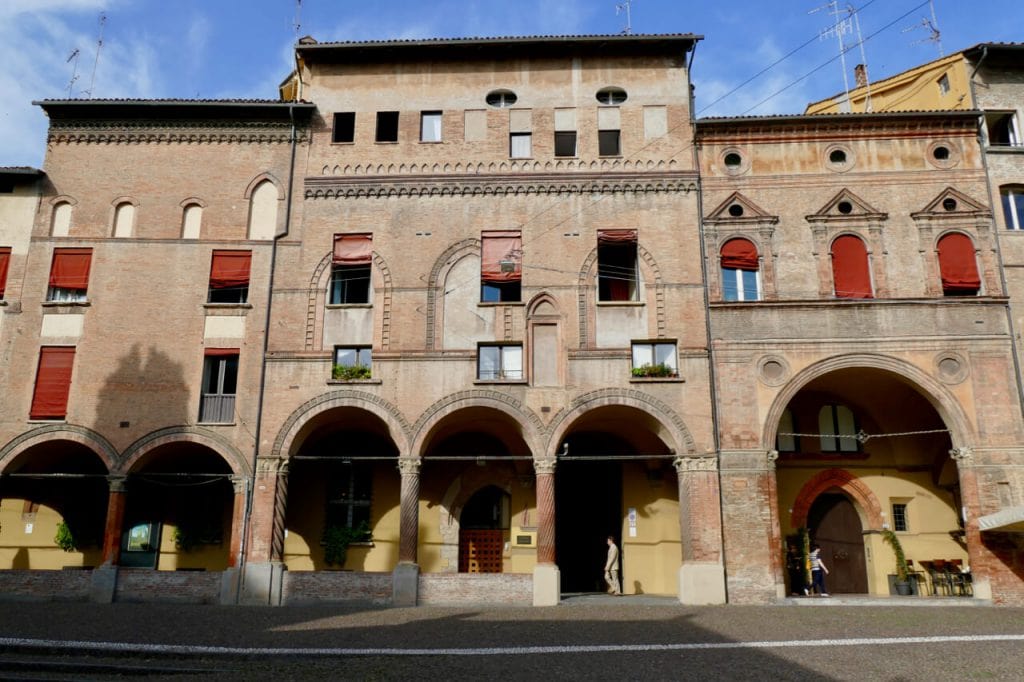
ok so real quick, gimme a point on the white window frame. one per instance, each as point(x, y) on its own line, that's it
point(505, 360)
point(1014, 219)
point(1014, 128)
point(430, 126)
point(653, 354)
point(520, 145)
point(737, 274)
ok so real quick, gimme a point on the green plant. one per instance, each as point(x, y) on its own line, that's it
point(902, 570)
point(338, 538)
point(805, 551)
point(660, 370)
point(350, 372)
point(64, 538)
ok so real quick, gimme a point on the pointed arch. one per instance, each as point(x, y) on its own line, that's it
point(844, 481)
point(266, 176)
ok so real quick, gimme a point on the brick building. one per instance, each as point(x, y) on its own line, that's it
point(451, 312)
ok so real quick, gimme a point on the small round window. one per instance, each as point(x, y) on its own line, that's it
point(949, 204)
point(733, 160)
point(611, 95)
point(736, 211)
point(941, 153)
point(501, 98)
point(845, 207)
point(838, 156)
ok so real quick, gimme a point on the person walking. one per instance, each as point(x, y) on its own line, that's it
point(818, 571)
point(611, 568)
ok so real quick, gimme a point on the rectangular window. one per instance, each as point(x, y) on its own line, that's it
point(500, 363)
point(387, 126)
point(229, 277)
point(344, 127)
point(350, 270)
point(899, 517)
point(69, 275)
point(944, 84)
point(220, 384)
point(501, 271)
point(565, 143)
point(520, 145)
point(1002, 129)
point(617, 275)
point(430, 126)
point(740, 285)
point(5, 262)
point(349, 492)
point(1013, 207)
point(608, 143)
point(655, 359)
point(53, 383)
point(352, 362)
point(837, 429)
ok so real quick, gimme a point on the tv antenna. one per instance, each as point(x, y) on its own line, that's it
point(846, 21)
point(621, 7)
point(298, 19)
point(74, 70)
point(96, 62)
point(930, 25)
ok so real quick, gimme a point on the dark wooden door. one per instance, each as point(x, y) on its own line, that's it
point(836, 526)
point(480, 551)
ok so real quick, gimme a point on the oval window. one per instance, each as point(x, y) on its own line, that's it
point(501, 98)
point(611, 95)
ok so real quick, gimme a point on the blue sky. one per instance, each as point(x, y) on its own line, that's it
point(242, 48)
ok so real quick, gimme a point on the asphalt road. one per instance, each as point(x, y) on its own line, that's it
point(594, 641)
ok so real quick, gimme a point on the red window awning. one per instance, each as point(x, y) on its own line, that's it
point(850, 272)
point(501, 260)
point(353, 249)
point(5, 261)
point(616, 236)
point(220, 352)
point(53, 383)
point(740, 254)
point(957, 264)
point(70, 269)
point(230, 269)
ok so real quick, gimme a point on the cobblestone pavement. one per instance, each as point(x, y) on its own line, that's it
point(590, 639)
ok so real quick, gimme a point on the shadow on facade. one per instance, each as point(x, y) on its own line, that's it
point(144, 394)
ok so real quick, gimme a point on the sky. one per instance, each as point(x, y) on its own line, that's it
point(216, 49)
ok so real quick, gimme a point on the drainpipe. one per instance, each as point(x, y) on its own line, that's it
point(999, 250)
point(250, 492)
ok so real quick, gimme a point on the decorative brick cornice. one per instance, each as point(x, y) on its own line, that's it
point(639, 182)
point(169, 132)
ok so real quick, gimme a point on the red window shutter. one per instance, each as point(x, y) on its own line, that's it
point(957, 264)
point(5, 261)
point(53, 382)
point(220, 352)
point(498, 246)
point(740, 254)
point(230, 269)
point(616, 236)
point(850, 271)
point(353, 249)
point(70, 269)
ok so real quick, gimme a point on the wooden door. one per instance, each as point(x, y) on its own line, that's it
point(480, 551)
point(839, 532)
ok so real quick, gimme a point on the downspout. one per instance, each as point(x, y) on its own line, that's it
point(250, 493)
point(712, 378)
point(998, 243)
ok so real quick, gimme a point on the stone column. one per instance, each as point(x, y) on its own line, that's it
point(114, 526)
point(547, 581)
point(264, 571)
point(237, 520)
point(771, 457)
point(979, 557)
point(701, 574)
point(405, 579)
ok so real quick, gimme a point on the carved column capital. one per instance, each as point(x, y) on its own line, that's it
point(238, 483)
point(545, 465)
point(117, 484)
point(688, 464)
point(409, 466)
point(271, 465)
point(963, 456)
point(771, 457)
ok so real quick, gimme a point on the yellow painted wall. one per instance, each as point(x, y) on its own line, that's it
point(650, 561)
point(21, 549)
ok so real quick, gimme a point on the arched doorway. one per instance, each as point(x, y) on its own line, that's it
point(482, 528)
point(836, 526)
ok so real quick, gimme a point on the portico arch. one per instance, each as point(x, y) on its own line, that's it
point(844, 481)
point(140, 449)
point(92, 440)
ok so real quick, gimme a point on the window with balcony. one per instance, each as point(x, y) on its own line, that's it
point(501, 271)
point(741, 280)
point(53, 383)
point(500, 362)
point(652, 359)
point(229, 277)
point(617, 274)
point(69, 275)
point(220, 384)
point(352, 363)
point(350, 269)
point(958, 266)
point(851, 272)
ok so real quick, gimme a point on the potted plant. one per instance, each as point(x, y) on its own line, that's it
point(659, 370)
point(902, 582)
point(350, 372)
point(338, 538)
point(64, 538)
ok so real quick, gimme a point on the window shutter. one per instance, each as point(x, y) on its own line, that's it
point(353, 249)
point(740, 254)
point(70, 269)
point(220, 352)
point(230, 269)
point(53, 383)
point(498, 246)
point(957, 264)
point(5, 260)
point(616, 236)
point(850, 272)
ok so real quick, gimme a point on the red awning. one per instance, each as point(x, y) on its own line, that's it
point(53, 383)
point(220, 352)
point(230, 269)
point(957, 264)
point(850, 272)
point(353, 249)
point(616, 236)
point(501, 260)
point(740, 254)
point(5, 260)
point(70, 269)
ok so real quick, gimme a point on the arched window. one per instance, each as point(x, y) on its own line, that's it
point(124, 219)
point(263, 211)
point(784, 440)
point(851, 274)
point(837, 428)
point(61, 219)
point(741, 280)
point(958, 266)
point(191, 221)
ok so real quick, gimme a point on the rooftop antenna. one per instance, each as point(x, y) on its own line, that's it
point(839, 28)
point(96, 62)
point(74, 70)
point(932, 26)
point(621, 7)
point(298, 19)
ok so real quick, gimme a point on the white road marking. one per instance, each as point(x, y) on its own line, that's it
point(131, 647)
